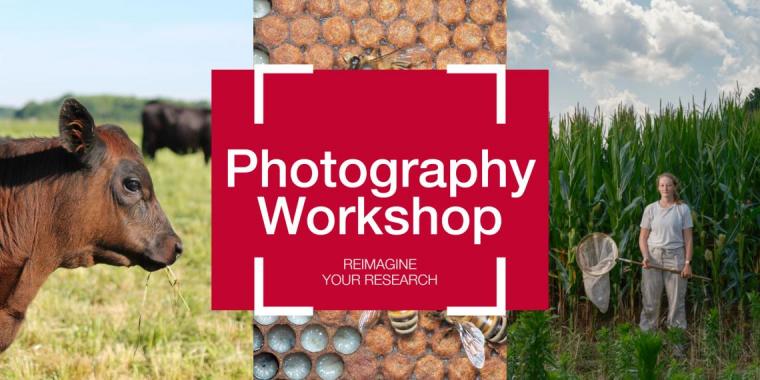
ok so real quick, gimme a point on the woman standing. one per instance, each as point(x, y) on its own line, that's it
point(666, 241)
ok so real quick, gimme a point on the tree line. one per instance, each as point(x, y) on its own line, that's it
point(103, 107)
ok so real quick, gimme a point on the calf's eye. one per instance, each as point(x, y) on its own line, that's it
point(132, 184)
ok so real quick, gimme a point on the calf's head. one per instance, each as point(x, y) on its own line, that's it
point(115, 210)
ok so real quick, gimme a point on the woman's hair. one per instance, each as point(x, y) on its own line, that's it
point(676, 184)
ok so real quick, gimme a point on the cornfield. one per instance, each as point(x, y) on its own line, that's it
point(603, 175)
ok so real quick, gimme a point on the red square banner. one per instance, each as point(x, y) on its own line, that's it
point(376, 181)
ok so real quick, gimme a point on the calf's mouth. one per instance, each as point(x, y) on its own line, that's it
point(154, 258)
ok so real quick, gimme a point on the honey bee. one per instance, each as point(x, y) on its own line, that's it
point(494, 327)
point(475, 331)
point(398, 59)
point(403, 321)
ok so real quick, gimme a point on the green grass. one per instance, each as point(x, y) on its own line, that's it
point(83, 323)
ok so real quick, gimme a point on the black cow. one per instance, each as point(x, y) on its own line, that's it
point(181, 129)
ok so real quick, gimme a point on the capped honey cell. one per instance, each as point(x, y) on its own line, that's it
point(452, 11)
point(428, 321)
point(288, 7)
point(484, 11)
point(468, 37)
point(497, 37)
point(494, 369)
point(361, 365)
point(429, 368)
point(420, 11)
point(449, 56)
point(461, 368)
point(354, 316)
point(379, 340)
point(354, 9)
point(484, 57)
point(397, 367)
point(421, 59)
point(446, 343)
point(385, 10)
point(413, 344)
point(368, 32)
point(286, 53)
point(322, 8)
point(304, 30)
point(332, 317)
point(435, 36)
point(336, 30)
point(321, 56)
point(271, 30)
point(402, 33)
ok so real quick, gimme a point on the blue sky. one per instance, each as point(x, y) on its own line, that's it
point(604, 52)
point(137, 47)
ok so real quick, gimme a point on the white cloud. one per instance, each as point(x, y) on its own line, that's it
point(675, 46)
point(746, 5)
point(741, 4)
point(747, 78)
point(517, 43)
point(741, 26)
point(678, 33)
point(610, 104)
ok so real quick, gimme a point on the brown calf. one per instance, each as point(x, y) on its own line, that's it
point(80, 199)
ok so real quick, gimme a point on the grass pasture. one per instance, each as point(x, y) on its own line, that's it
point(84, 322)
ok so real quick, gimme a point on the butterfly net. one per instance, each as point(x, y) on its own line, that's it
point(596, 255)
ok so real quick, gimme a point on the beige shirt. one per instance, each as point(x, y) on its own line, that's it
point(666, 225)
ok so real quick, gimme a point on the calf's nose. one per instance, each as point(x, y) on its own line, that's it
point(178, 248)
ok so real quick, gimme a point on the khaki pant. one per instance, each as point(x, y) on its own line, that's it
point(652, 282)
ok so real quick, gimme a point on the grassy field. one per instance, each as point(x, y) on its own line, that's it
point(84, 322)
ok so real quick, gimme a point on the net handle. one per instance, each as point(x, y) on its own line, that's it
point(602, 235)
point(703, 278)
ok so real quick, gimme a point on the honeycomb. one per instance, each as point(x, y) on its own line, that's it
point(329, 346)
point(423, 34)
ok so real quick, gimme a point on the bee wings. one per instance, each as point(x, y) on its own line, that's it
point(474, 343)
point(408, 53)
point(398, 58)
point(367, 318)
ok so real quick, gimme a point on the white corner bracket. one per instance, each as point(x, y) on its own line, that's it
point(258, 294)
point(258, 84)
point(501, 296)
point(501, 84)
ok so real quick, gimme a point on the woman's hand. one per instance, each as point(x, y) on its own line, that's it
point(686, 272)
point(688, 247)
point(644, 247)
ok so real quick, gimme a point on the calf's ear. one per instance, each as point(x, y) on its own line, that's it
point(77, 128)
